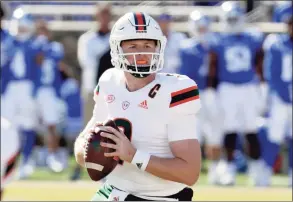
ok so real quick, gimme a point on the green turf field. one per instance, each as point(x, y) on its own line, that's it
point(44, 185)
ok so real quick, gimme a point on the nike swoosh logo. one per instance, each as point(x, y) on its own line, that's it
point(121, 28)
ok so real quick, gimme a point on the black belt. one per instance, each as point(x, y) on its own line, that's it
point(185, 194)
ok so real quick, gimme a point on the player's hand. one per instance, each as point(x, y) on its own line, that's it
point(124, 149)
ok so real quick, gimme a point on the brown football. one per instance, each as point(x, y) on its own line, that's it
point(98, 166)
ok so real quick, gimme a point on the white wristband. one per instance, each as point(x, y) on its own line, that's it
point(141, 160)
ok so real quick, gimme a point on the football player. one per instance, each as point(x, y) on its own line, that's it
point(20, 92)
point(10, 148)
point(7, 44)
point(172, 59)
point(156, 113)
point(233, 63)
point(194, 56)
point(278, 74)
point(50, 104)
point(71, 94)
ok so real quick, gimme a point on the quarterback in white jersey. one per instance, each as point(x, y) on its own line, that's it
point(156, 112)
point(10, 147)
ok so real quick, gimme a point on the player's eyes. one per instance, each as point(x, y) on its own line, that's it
point(149, 46)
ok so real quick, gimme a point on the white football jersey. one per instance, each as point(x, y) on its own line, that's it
point(151, 117)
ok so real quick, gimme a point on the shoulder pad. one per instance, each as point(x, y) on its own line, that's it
point(110, 77)
point(254, 34)
point(183, 95)
point(269, 41)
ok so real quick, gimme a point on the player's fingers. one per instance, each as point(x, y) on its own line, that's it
point(98, 128)
point(110, 136)
point(113, 146)
point(112, 154)
point(115, 132)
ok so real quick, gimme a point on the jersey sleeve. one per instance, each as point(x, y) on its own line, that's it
point(268, 41)
point(182, 127)
point(100, 111)
point(184, 106)
point(269, 62)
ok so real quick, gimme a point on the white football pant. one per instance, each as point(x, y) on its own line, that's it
point(280, 120)
point(51, 109)
point(209, 119)
point(20, 106)
point(240, 107)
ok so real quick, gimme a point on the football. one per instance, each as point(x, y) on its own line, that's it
point(98, 166)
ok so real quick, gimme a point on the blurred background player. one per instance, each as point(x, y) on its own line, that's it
point(20, 94)
point(194, 56)
point(278, 74)
point(172, 59)
point(94, 55)
point(233, 63)
point(50, 104)
point(71, 94)
point(7, 51)
point(10, 148)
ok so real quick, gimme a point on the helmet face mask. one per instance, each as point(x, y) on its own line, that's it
point(137, 26)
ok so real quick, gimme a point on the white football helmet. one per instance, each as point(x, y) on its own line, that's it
point(133, 26)
point(234, 17)
point(22, 25)
point(199, 25)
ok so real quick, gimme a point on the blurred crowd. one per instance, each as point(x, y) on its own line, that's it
point(49, 106)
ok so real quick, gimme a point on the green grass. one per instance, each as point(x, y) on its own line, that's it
point(44, 185)
point(43, 174)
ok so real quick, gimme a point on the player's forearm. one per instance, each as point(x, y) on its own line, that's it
point(80, 142)
point(175, 169)
point(79, 151)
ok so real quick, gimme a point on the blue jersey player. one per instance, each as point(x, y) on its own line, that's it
point(7, 44)
point(27, 58)
point(194, 56)
point(277, 70)
point(50, 104)
point(233, 62)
